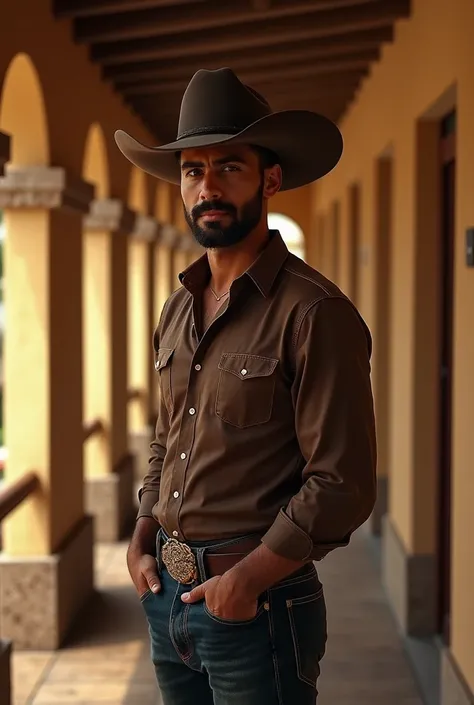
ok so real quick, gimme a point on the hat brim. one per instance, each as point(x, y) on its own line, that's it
point(308, 146)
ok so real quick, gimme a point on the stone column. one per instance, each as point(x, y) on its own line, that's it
point(46, 570)
point(140, 334)
point(5, 646)
point(109, 467)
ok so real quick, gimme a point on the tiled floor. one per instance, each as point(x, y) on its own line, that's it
point(107, 662)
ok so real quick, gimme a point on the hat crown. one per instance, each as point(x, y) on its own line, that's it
point(217, 102)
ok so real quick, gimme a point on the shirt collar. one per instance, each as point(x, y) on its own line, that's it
point(262, 272)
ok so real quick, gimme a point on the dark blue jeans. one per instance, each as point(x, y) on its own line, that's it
point(272, 659)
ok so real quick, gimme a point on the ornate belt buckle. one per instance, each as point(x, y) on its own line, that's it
point(179, 561)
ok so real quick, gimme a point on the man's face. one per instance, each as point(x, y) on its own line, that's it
point(222, 191)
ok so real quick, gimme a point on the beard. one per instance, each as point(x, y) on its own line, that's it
point(215, 235)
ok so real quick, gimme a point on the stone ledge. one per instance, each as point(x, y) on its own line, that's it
point(44, 187)
point(41, 596)
point(410, 581)
point(5, 672)
point(146, 228)
point(4, 150)
point(454, 689)
point(110, 500)
point(110, 214)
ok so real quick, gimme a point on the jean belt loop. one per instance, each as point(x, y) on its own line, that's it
point(200, 564)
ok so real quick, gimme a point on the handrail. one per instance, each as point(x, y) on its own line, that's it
point(16, 492)
point(92, 428)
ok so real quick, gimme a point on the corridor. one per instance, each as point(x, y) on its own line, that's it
point(106, 660)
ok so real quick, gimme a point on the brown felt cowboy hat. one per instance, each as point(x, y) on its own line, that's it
point(217, 109)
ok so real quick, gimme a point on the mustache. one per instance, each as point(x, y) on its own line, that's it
point(207, 206)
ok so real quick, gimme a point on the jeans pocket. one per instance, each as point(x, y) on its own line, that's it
point(305, 615)
point(145, 595)
point(234, 622)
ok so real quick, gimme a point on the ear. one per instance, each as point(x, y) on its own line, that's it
point(272, 181)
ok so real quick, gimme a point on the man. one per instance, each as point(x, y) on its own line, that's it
point(264, 456)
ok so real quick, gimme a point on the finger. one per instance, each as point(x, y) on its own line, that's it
point(196, 593)
point(152, 580)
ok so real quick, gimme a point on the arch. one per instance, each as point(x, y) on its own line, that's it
point(95, 165)
point(290, 231)
point(137, 191)
point(23, 113)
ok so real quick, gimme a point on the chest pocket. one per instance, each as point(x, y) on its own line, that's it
point(245, 389)
point(163, 367)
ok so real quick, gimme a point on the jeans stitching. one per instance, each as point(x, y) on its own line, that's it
point(296, 650)
point(171, 624)
point(231, 623)
point(294, 581)
point(275, 656)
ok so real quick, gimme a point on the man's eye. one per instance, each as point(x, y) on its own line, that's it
point(231, 167)
point(193, 172)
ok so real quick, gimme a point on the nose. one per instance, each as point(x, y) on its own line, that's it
point(210, 190)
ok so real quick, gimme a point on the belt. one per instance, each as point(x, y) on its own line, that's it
point(183, 564)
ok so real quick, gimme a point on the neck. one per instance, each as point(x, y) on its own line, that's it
point(229, 263)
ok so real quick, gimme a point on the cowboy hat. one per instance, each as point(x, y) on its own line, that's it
point(217, 109)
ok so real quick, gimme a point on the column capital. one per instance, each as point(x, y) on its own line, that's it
point(146, 228)
point(110, 214)
point(33, 187)
point(169, 235)
point(4, 151)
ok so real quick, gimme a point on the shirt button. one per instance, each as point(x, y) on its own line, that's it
point(176, 495)
point(243, 372)
point(198, 368)
point(175, 533)
point(192, 411)
point(183, 456)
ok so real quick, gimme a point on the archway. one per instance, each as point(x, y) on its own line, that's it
point(22, 116)
point(137, 192)
point(290, 232)
point(95, 165)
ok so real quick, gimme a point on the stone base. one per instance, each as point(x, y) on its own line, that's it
point(381, 507)
point(410, 582)
point(5, 680)
point(139, 442)
point(110, 500)
point(40, 596)
point(454, 689)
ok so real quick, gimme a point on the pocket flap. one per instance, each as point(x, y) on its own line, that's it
point(163, 357)
point(246, 366)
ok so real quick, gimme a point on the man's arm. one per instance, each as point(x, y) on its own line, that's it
point(335, 425)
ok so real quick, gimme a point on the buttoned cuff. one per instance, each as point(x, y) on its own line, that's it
point(286, 539)
point(148, 499)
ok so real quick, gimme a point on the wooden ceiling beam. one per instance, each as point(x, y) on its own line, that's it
point(158, 22)
point(357, 63)
point(71, 9)
point(271, 33)
point(326, 48)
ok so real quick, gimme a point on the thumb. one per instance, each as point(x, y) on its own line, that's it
point(196, 594)
point(152, 579)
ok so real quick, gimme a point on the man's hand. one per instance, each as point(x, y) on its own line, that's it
point(144, 573)
point(140, 561)
point(224, 598)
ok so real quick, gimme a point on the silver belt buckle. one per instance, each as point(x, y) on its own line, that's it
point(180, 561)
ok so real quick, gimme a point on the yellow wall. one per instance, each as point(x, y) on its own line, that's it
point(426, 71)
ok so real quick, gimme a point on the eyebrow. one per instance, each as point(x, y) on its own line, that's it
point(222, 160)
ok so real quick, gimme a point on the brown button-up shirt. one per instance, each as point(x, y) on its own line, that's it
point(266, 421)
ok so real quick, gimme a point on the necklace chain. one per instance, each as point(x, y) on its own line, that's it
point(218, 298)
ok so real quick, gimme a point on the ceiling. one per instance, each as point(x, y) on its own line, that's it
point(306, 54)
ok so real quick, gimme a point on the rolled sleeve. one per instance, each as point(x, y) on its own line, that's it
point(335, 427)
